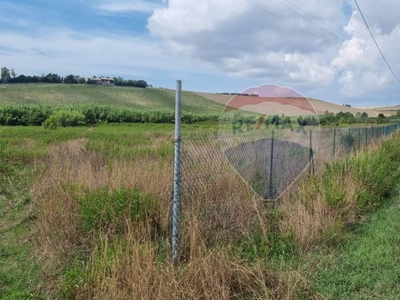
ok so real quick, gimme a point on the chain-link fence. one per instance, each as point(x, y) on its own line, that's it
point(220, 170)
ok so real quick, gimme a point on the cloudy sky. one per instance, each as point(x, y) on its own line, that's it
point(322, 49)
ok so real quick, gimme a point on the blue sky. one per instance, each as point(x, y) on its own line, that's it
point(72, 14)
point(321, 48)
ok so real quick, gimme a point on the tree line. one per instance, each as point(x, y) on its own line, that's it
point(10, 76)
point(245, 123)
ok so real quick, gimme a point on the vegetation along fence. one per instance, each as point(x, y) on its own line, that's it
point(219, 170)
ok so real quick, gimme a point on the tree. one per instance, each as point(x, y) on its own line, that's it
point(70, 79)
point(54, 78)
point(5, 74)
point(20, 78)
point(13, 73)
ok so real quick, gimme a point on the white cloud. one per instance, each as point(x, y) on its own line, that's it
point(183, 17)
point(245, 40)
point(310, 69)
point(362, 69)
point(233, 38)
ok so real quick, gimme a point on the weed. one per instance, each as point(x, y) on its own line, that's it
point(106, 208)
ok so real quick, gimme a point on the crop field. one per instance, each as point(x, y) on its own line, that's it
point(320, 106)
point(85, 213)
point(121, 97)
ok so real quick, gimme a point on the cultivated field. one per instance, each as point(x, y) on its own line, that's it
point(154, 99)
point(122, 97)
point(319, 106)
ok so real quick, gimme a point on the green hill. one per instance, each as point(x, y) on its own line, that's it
point(122, 97)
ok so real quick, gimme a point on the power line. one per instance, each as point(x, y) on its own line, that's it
point(276, 16)
point(315, 18)
point(311, 21)
point(331, 30)
point(377, 46)
point(309, 33)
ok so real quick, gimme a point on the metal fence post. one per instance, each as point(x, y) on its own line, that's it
point(359, 139)
point(271, 186)
point(311, 157)
point(177, 175)
point(372, 132)
point(334, 141)
point(366, 137)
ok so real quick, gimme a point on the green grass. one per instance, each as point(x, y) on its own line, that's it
point(18, 271)
point(101, 209)
point(23, 144)
point(367, 266)
point(123, 97)
point(19, 147)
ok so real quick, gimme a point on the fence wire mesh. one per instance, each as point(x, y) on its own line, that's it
point(219, 170)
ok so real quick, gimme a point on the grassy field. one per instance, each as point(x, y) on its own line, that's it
point(85, 211)
point(366, 265)
point(123, 97)
point(85, 215)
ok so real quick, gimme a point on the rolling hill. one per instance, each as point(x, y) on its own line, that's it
point(272, 107)
point(123, 97)
point(154, 99)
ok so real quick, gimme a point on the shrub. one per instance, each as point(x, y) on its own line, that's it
point(64, 118)
point(373, 175)
point(347, 140)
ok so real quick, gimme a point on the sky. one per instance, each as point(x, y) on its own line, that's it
point(321, 49)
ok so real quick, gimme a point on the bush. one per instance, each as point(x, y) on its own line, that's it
point(372, 174)
point(64, 118)
point(347, 140)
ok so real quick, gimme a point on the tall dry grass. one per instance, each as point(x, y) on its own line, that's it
point(70, 171)
point(129, 269)
point(215, 218)
point(133, 269)
point(306, 210)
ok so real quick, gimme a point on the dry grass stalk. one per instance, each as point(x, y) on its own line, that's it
point(70, 168)
point(132, 272)
point(129, 268)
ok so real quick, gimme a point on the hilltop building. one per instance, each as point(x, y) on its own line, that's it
point(99, 80)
